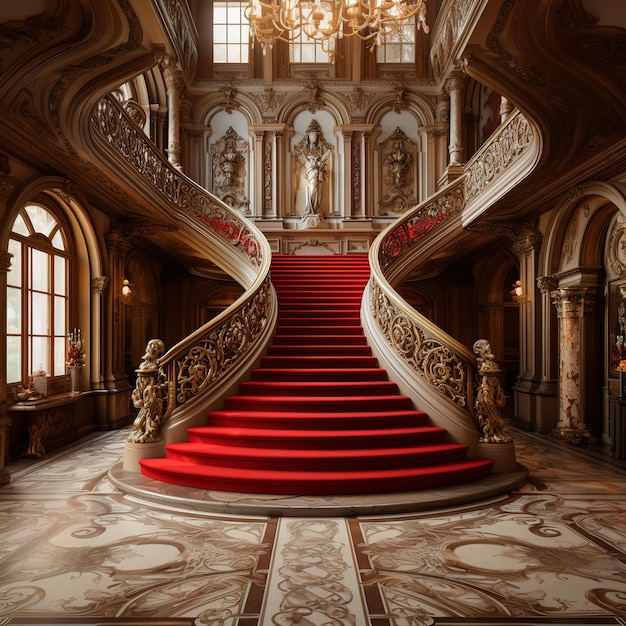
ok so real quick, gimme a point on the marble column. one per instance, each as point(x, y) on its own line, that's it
point(454, 87)
point(99, 286)
point(174, 82)
point(573, 304)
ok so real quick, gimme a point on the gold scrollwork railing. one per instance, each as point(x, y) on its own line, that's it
point(120, 132)
point(196, 366)
point(506, 146)
point(439, 360)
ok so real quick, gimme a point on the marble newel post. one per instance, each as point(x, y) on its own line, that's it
point(174, 83)
point(572, 305)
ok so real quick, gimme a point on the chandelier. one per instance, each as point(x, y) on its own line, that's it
point(325, 21)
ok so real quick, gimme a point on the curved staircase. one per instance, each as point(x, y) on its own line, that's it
point(318, 417)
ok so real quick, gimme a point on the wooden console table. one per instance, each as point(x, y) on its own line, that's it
point(51, 419)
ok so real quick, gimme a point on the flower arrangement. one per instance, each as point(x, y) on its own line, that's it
point(27, 390)
point(75, 352)
point(622, 366)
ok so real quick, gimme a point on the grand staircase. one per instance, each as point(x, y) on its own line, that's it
point(318, 417)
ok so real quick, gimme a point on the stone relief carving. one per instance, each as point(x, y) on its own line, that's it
point(229, 158)
point(398, 175)
point(357, 102)
point(270, 102)
point(617, 247)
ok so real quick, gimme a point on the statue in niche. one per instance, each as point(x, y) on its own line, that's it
point(228, 157)
point(398, 177)
point(313, 156)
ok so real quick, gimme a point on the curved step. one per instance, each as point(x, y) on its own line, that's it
point(296, 421)
point(317, 439)
point(317, 404)
point(307, 483)
point(318, 388)
point(319, 374)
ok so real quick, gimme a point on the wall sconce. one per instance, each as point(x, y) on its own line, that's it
point(126, 288)
point(517, 293)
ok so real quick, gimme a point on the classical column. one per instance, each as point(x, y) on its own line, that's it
point(454, 87)
point(99, 286)
point(174, 83)
point(5, 422)
point(573, 304)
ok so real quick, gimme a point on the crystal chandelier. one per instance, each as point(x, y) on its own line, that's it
point(325, 21)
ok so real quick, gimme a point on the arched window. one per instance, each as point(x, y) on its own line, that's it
point(38, 294)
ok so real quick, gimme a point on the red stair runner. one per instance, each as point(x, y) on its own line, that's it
point(319, 416)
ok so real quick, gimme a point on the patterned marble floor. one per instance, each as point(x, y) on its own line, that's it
point(76, 550)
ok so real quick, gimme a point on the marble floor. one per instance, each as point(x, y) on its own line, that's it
point(76, 549)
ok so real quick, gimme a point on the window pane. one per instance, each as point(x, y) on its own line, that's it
point(40, 314)
point(59, 356)
point(41, 219)
point(14, 310)
point(59, 316)
point(14, 275)
point(39, 270)
point(219, 12)
point(233, 53)
point(14, 360)
point(60, 274)
point(220, 35)
point(19, 226)
point(230, 32)
point(39, 358)
point(58, 241)
point(219, 53)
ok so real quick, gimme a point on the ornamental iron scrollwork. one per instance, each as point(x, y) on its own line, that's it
point(426, 354)
point(212, 356)
point(115, 126)
point(167, 381)
point(411, 231)
point(498, 154)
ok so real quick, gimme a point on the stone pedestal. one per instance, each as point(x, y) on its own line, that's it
point(134, 452)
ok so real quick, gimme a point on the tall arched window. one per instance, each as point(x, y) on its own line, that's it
point(37, 295)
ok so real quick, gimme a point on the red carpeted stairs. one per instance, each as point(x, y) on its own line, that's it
point(319, 416)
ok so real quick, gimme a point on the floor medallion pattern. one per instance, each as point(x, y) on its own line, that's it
point(75, 550)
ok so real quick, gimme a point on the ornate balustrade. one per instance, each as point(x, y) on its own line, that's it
point(441, 374)
point(175, 387)
point(508, 156)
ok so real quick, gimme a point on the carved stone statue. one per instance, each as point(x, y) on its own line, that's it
point(490, 398)
point(313, 155)
point(148, 396)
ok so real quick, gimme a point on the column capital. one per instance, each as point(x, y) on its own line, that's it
point(99, 284)
point(573, 301)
